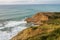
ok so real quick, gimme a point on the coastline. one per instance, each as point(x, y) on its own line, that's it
point(14, 13)
point(11, 29)
point(48, 28)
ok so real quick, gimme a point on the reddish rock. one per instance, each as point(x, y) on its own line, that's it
point(28, 20)
point(38, 18)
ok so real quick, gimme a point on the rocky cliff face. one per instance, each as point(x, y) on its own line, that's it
point(41, 17)
point(38, 18)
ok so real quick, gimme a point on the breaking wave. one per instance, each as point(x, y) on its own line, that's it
point(8, 29)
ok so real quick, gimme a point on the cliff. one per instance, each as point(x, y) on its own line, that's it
point(42, 17)
point(44, 32)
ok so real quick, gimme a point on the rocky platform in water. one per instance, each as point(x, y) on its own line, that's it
point(51, 31)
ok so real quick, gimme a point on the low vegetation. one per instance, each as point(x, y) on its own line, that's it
point(45, 32)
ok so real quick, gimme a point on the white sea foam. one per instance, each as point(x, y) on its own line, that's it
point(17, 27)
point(12, 24)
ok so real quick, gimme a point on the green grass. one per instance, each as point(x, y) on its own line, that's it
point(54, 21)
point(54, 35)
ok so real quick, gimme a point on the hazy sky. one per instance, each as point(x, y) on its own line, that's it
point(29, 1)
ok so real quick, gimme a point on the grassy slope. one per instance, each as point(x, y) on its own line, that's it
point(51, 35)
point(49, 32)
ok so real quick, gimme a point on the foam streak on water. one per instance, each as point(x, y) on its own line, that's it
point(11, 29)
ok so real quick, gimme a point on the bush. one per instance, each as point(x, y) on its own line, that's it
point(34, 28)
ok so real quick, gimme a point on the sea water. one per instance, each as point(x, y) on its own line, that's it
point(12, 17)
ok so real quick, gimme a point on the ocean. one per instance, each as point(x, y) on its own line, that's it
point(12, 17)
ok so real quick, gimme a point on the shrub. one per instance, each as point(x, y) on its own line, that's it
point(34, 28)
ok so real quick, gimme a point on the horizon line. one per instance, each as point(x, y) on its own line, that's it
point(28, 4)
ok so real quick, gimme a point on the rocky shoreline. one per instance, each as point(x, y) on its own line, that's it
point(48, 24)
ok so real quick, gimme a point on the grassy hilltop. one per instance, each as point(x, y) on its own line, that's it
point(49, 30)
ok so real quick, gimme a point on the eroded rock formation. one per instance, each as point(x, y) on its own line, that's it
point(42, 17)
point(38, 18)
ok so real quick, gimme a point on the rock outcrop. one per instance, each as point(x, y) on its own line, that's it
point(42, 17)
point(37, 19)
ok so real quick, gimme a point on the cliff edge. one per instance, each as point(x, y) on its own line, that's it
point(51, 31)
